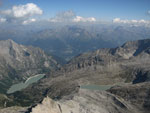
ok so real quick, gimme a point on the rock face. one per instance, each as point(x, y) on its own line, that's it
point(47, 106)
point(137, 94)
point(130, 98)
point(85, 102)
point(18, 62)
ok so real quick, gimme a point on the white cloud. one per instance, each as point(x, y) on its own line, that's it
point(142, 21)
point(82, 19)
point(134, 21)
point(21, 14)
point(2, 20)
point(29, 21)
point(70, 16)
point(118, 20)
point(21, 11)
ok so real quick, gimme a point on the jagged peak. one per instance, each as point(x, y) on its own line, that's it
point(9, 42)
point(137, 43)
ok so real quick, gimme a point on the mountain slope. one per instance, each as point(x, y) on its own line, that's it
point(112, 67)
point(18, 62)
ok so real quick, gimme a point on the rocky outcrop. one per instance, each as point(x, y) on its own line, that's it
point(137, 94)
point(127, 98)
point(85, 102)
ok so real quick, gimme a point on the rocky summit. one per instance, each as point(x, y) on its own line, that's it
point(86, 102)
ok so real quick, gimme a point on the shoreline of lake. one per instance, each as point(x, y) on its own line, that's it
point(23, 85)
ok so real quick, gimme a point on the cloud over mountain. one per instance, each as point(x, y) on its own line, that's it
point(82, 19)
point(70, 16)
point(136, 22)
point(29, 21)
point(63, 16)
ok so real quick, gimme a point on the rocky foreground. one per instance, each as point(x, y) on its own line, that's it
point(119, 99)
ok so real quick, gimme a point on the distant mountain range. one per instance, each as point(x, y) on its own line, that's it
point(67, 41)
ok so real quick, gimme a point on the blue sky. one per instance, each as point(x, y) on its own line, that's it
point(101, 9)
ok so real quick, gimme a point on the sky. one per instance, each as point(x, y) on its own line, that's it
point(125, 11)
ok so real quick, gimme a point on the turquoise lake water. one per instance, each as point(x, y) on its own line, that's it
point(20, 86)
point(96, 87)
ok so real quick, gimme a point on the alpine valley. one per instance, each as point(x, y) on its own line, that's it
point(108, 80)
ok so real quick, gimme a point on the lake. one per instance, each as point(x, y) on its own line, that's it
point(96, 87)
point(20, 86)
